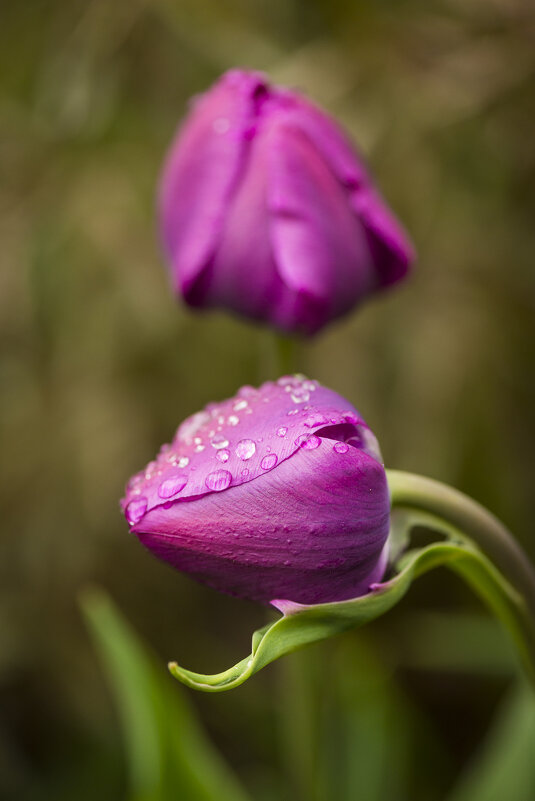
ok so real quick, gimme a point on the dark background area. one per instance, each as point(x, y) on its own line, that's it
point(100, 364)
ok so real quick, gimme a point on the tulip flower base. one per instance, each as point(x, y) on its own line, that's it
point(456, 547)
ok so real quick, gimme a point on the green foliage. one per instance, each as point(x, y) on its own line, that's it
point(168, 754)
point(504, 768)
point(301, 625)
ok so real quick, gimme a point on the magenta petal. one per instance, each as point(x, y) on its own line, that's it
point(311, 530)
point(330, 141)
point(391, 248)
point(319, 245)
point(242, 274)
point(201, 171)
point(274, 418)
point(267, 209)
point(277, 493)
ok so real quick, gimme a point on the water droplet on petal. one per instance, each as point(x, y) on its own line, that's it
point(268, 461)
point(240, 405)
point(317, 419)
point(171, 486)
point(282, 431)
point(233, 420)
point(308, 442)
point(245, 449)
point(245, 472)
point(149, 470)
point(199, 448)
point(293, 411)
point(135, 510)
point(182, 461)
point(218, 480)
point(300, 396)
point(223, 455)
point(219, 441)
point(340, 447)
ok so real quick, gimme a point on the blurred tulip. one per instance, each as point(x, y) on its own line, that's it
point(266, 209)
point(278, 493)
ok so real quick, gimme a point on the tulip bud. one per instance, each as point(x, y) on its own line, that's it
point(278, 493)
point(266, 209)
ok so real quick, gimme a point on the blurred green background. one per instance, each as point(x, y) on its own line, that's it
point(99, 365)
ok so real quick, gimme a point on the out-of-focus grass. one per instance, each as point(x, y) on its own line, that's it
point(99, 364)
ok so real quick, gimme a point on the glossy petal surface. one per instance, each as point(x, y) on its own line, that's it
point(277, 493)
point(267, 209)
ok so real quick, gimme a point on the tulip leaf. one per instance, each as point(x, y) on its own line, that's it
point(304, 624)
point(169, 755)
point(504, 766)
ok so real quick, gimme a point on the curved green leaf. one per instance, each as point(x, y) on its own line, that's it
point(169, 755)
point(301, 624)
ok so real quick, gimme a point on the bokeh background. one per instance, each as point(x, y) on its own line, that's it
point(99, 365)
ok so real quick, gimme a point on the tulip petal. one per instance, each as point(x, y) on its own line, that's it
point(201, 171)
point(392, 250)
point(243, 276)
point(234, 442)
point(256, 542)
point(319, 245)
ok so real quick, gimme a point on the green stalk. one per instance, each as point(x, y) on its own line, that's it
point(476, 524)
point(285, 354)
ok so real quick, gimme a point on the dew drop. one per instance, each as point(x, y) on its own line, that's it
point(171, 486)
point(135, 510)
point(223, 455)
point(242, 404)
point(233, 420)
point(293, 411)
point(282, 431)
point(219, 441)
point(317, 419)
point(199, 448)
point(245, 449)
point(300, 396)
point(268, 461)
point(246, 391)
point(182, 461)
point(149, 470)
point(308, 442)
point(340, 447)
point(218, 480)
point(245, 472)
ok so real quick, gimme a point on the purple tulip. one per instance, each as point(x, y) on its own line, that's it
point(278, 493)
point(266, 209)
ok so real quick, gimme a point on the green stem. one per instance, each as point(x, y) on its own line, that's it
point(285, 347)
point(477, 524)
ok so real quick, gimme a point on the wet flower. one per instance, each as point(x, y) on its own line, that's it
point(267, 209)
point(278, 493)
